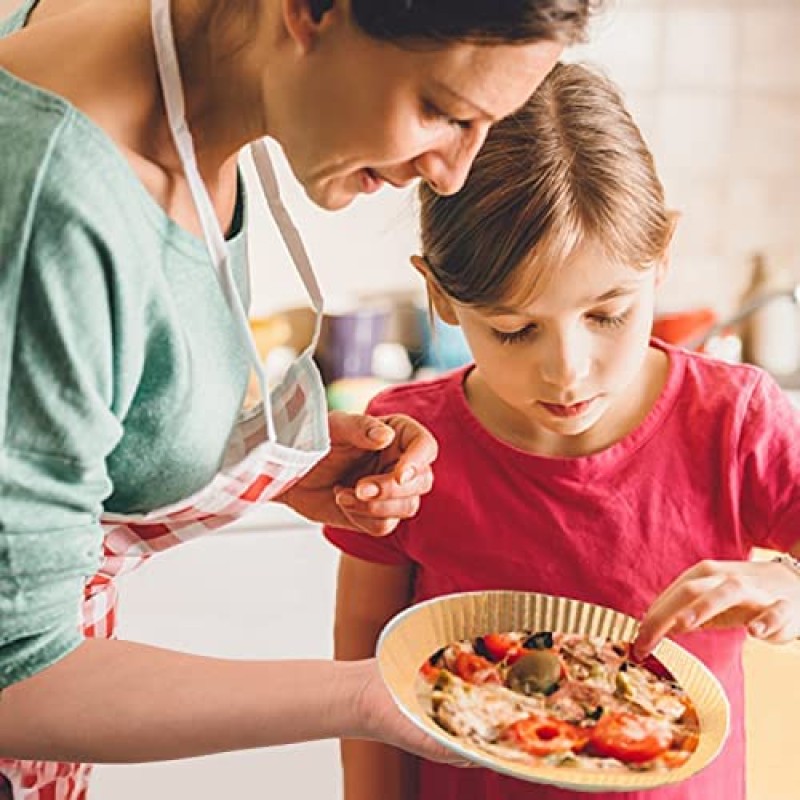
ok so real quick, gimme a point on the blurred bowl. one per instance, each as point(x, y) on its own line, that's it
point(681, 327)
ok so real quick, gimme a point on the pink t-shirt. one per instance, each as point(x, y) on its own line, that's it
point(713, 470)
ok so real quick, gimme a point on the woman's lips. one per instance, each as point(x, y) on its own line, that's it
point(370, 181)
point(566, 412)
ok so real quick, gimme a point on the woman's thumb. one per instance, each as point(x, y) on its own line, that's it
point(359, 430)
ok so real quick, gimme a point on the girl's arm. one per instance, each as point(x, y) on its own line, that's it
point(113, 701)
point(368, 596)
point(764, 596)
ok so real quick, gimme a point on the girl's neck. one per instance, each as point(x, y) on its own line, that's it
point(626, 414)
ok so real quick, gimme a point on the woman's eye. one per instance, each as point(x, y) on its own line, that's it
point(514, 337)
point(610, 320)
point(434, 113)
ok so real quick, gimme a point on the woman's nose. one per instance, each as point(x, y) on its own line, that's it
point(445, 167)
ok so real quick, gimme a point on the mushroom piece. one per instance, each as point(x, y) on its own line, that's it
point(536, 672)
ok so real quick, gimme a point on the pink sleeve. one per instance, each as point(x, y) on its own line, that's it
point(769, 464)
point(384, 549)
point(379, 550)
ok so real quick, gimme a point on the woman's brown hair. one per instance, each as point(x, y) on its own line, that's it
point(479, 21)
point(571, 165)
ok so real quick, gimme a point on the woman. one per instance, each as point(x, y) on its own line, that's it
point(124, 351)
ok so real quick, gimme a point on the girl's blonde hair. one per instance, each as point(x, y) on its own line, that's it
point(570, 166)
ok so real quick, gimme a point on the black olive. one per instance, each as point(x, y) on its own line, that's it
point(480, 648)
point(436, 657)
point(543, 640)
point(596, 714)
point(623, 667)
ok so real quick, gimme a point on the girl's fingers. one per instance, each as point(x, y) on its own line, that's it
point(671, 609)
point(775, 624)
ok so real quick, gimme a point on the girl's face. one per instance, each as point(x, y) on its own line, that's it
point(568, 372)
point(366, 112)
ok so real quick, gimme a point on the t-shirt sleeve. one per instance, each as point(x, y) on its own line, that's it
point(769, 463)
point(56, 423)
point(380, 550)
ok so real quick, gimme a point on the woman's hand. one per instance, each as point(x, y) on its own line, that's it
point(382, 721)
point(374, 476)
point(762, 595)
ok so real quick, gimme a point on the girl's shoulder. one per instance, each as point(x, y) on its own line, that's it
point(427, 400)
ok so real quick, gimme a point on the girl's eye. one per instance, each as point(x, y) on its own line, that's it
point(610, 320)
point(514, 337)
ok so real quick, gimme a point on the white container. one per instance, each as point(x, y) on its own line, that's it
point(773, 335)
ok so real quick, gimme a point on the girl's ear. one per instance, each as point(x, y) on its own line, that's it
point(437, 297)
point(663, 265)
point(303, 23)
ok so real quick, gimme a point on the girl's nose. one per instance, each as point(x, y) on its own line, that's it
point(566, 361)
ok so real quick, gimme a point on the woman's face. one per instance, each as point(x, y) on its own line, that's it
point(365, 112)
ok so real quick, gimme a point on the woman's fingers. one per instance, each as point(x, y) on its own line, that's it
point(378, 503)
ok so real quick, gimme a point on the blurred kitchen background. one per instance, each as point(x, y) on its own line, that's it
point(715, 87)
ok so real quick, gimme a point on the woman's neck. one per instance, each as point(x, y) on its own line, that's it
point(104, 64)
point(225, 51)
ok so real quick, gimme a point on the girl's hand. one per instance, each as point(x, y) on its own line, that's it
point(762, 595)
point(374, 476)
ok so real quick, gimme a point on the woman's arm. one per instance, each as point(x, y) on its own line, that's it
point(112, 701)
point(368, 596)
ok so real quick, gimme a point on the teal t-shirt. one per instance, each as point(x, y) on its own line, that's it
point(121, 374)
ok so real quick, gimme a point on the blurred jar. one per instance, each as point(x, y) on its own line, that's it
point(348, 341)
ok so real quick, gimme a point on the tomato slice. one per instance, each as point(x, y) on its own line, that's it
point(542, 736)
point(501, 646)
point(476, 669)
point(429, 672)
point(630, 738)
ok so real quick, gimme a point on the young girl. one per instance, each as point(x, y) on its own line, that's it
point(578, 456)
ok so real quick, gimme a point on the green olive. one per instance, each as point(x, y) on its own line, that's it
point(536, 672)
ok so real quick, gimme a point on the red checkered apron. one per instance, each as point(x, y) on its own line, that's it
point(132, 540)
point(272, 447)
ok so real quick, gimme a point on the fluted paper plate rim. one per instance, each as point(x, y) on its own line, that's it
point(418, 631)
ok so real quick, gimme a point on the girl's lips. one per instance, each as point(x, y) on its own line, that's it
point(565, 412)
point(370, 181)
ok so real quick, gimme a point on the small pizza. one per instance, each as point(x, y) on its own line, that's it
point(560, 699)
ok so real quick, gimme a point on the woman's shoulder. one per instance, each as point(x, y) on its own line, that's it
point(46, 157)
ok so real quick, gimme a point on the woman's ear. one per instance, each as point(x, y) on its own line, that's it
point(438, 299)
